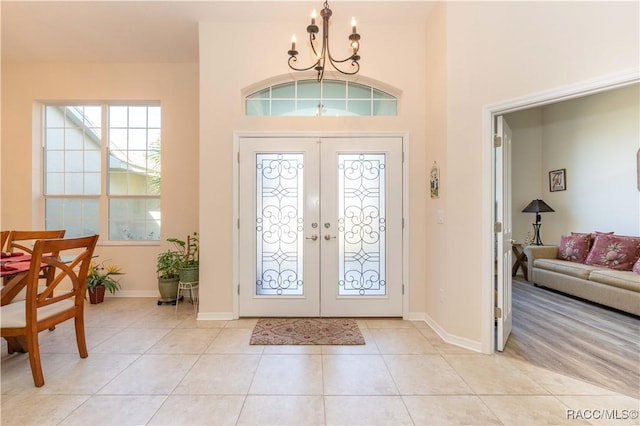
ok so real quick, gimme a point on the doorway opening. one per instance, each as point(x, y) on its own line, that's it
point(497, 288)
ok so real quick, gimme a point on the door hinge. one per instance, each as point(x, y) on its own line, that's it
point(497, 141)
point(497, 312)
point(238, 156)
point(403, 223)
point(238, 223)
point(238, 289)
point(403, 156)
point(402, 288)
point(497, 227)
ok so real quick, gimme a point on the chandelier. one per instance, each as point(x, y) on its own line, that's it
point(324, 53)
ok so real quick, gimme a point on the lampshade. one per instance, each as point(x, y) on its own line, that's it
point(537, 206)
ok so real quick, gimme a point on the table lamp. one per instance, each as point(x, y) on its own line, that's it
point(537, 207)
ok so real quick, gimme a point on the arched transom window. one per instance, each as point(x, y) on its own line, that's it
point(326, 98)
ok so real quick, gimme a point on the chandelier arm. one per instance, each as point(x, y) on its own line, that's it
point(327, 53)
point(312, 39)
point(334, 62)
point(337, 61)
point(353, 64)
point(294, 59)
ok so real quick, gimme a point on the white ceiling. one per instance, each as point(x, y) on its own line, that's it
point(143, 31)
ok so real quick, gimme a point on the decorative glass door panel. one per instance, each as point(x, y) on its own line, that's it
point(361, 206)
point(320, 227)
point(361, 225)
point(279, 246)
point(279, 224)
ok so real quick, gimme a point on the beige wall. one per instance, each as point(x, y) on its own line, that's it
point(595, 138)
point(227, 68)
point(174, 85)
point(436, 118)
point(499, 51)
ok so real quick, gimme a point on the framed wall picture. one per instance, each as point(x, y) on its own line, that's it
point(434, 178)
point(558, 180)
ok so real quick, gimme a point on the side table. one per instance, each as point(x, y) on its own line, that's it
point(519, 261)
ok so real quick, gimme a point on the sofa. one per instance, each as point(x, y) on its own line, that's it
point(601, 268)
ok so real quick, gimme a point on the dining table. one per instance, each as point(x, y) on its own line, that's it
point(14, 268)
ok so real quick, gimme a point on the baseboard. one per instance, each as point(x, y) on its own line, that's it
point(415, 316)
point(135, 293)
point(215, 316)
point(462, 342)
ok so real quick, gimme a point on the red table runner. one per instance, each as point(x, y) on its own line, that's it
point(14, 268)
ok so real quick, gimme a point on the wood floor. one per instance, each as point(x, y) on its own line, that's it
point(577, 338)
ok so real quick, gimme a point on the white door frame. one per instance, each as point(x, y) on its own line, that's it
point(489, 112)
point(405, 201)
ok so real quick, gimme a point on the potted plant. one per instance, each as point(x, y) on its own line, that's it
point(167, 266)
point(189, 254)
point(100, 278)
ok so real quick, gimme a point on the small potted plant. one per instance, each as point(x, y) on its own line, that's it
point(167, 266)
point(189, 254)
point(100, 278)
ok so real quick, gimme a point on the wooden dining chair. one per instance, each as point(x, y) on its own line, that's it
point(24, 240)
point(4, 236)
point(44, 307)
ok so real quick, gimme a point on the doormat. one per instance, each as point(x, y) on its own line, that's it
point(307, 331)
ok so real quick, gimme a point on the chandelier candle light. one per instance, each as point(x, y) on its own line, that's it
point(325, 53)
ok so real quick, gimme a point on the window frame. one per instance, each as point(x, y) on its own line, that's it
point(264, 94)
point(104, 198)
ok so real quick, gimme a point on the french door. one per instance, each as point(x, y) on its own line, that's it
point(320, 226)
point(504, 234)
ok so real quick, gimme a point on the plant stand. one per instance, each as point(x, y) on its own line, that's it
point(191, 286)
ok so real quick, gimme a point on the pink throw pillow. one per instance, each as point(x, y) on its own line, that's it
point(614, 252)
point(574, 248)
point(636, 267)
point(593, 236)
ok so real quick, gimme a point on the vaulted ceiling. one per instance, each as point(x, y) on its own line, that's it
point(142, 31)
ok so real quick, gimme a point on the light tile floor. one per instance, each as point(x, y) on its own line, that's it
point(149, 365)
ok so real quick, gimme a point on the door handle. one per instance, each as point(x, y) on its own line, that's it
point(328, 237)
point(312, 238)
